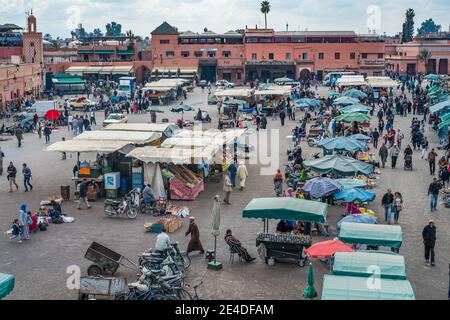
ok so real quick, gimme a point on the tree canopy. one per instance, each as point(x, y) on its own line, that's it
point(428, 27)
point(113, 29)
point(408, 26)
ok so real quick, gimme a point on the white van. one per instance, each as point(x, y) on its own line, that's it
point(41, 107)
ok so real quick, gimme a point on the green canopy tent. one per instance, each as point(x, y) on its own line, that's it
point(353, 117)
point(7, 282)
point(358, 264)
point(286, 209)
point(440, 106)
point(445, 117)
point(359, 288)
point(356, 108)
point(444, 124)
point(340, 165)
point(371, 234)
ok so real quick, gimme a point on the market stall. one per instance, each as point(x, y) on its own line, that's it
point(358, 264)
point(284, 246)
point(371, 235)
point(7, 282)
point(356, 288)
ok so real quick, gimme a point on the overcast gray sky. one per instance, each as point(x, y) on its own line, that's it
point(59, 16)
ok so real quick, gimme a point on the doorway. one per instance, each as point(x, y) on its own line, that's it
point(443, 66)
point(208, 73)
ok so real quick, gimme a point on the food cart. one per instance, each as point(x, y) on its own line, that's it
point(372, 235)
point(94, 288)
point(356, 288)
point(358, 264)
point(285, 246)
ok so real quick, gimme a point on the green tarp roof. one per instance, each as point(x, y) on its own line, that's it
point(371, 234)
point(440, 106)
point(6, 284)
point(67, 80)
point(361, 264)
point(164, 29)
point(359, 288)
point(286, 209)
point(341, 165)
point(125, 52)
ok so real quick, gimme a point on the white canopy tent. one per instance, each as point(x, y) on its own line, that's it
point(83, 146)
point(176, 155)
point(275, 91)
point(169, 129)
point(236, 93)
point(381, 82)
point(81, 70)
point(133, 137)
point(351, 80)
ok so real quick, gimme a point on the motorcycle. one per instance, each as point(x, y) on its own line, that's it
point(158, 210)
point(204, 118)
point(128, 206)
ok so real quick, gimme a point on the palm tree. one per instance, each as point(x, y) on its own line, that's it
point(130, 35)
point(265, 9)
point(423, 56)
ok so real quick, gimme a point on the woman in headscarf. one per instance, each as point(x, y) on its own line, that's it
point(278, 183)
point(23, 222)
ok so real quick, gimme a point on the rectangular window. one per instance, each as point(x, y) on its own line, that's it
point(198, 54)
point(238, 76)
point(211, 54)
point(164, 41)
point(185, 54)
point(271, 55)
point(254, 56)
point(364, 55)
point(288, 56)
point(170, 54)
point(352, 55)
point(337, 56)
point(321, 56)
point(380, 56)
point(226, 54)
point(305, 56)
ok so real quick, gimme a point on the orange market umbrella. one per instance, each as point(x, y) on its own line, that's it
point(52, 115)
point(326, 249)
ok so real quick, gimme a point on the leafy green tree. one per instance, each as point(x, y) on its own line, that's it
point(113, 29)
point(428, 27)
point(408, 26)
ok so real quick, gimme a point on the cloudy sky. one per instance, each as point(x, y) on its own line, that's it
point(58, 17)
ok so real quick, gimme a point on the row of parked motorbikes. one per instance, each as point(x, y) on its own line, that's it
point(162, 276)
point(132, 203)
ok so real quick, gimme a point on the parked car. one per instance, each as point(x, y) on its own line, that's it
point(225, 84)
point(115, 118)
point(80, 103)
point(212, 99)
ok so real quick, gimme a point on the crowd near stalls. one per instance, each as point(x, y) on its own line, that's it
point(164, 91)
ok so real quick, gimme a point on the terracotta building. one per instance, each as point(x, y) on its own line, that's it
point(22, 72)
point(264, 54)
point(403, 58)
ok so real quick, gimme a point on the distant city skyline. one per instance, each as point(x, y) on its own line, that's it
point(59, 17)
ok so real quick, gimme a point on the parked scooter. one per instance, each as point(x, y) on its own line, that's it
point(128, 206)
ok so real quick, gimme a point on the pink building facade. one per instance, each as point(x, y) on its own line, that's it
point(403, 58)
point(264, 54)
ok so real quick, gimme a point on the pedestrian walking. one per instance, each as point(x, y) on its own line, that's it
point(2, 156)
point(39, 130)
point(278, 183)
point(26, 172)
point(92, 118)
point(433, 193)
point(383, 153)
point(282, 117)
point(233, 171)
point(424, 154)
point(400, 137)
point(47, 133)
point(194, 244)
point(432, 161)
point(24, 222)
point(429, 241)
point(12, 172)
point(387, 201)
point(395, 151)
point(397, 206)
point(83, 194)
point(227, 187)
point(375, 138)
point(16, 232)
point(242, 175)
point(19, 136)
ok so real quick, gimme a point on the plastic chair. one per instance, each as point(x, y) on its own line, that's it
point(232, 253)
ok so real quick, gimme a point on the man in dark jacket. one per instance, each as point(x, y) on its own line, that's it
point(383, 153)
point(375, 137)
point(433, 193)
point(83, 194)
point(429, 241)
point(387, 201)
point(26, 171)
point(19, 135)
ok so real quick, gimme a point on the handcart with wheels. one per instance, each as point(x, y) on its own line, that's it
point(100, 288)
point(106, 260)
